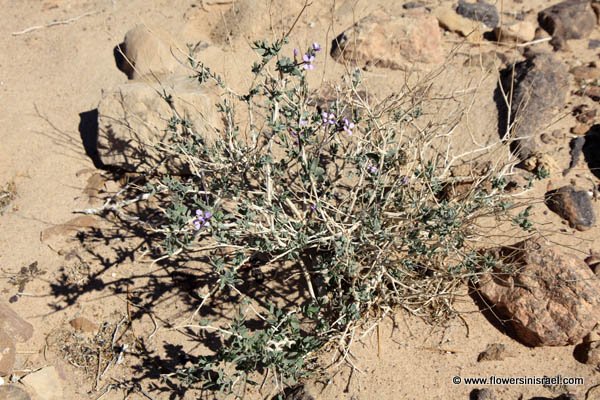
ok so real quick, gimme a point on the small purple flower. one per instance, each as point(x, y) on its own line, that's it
point(303, 122)
point(313, 207)
point(296, 52)
point(201, 219)
point(372, 169)
point(308, 61)
point(328, 118)
point(316, 46)
point(405, 180)
point(348, 126)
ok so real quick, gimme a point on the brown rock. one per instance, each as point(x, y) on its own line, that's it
point(453, 22)
point(580, 129)
point(13, 392)
point(519, 32)
point(493, 352)
point(384, 41)
point(541, 84)
point(145, 51)
point(7, 354)
point(132, 120)
point(552, 298)
point(584, 114)
point(15, 326)
point(83, 324)
point(588, 351)
point(573, 205)
point(569, 19)
point(586, 73)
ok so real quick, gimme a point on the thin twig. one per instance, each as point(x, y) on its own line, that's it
point(54, 23)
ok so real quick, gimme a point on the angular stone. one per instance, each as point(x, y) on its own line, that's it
point(46, 383)
point(569, 19)
point(15, 326)
point(144, 52)
point(479, 11)
point(493, 352)
point(381, 40)
point(541, 84)
point(453, 22)
point(519, 32)
point(133, 119)
point(83, 324)
point(7, 354)
point(551, 299)
point(590, 349)
point(13, 392)
point(573, 205)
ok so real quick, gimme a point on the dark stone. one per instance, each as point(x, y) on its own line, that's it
point(569, 19)
point(593, 44)
point(480, 11)
point(412, 4)
point(573, 205)
point(482, 394)
point(297, 393)
point(591, 149)
point(541, 85)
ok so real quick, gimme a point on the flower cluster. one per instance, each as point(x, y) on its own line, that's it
point(347, 126)
point(328, 118)
point(309, 57)
point(201, 219)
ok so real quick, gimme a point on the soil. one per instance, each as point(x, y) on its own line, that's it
point(51, 81)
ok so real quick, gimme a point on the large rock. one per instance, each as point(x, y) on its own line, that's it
point(133, 119)
point(7, 354)
point(46, 383)
point(15, 326)
point(540, 84)
point(551, 300)
point(384, 41)
point(13, 392)
point(573, 205)
point(145, 52)
point(479, 11)
point(569, 19)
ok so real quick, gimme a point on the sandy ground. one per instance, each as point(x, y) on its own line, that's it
point(50, 76)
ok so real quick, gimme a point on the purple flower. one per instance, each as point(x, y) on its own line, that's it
point(308, 61)
point(303, 122)
point(328, 118)
point(201, 219)
point(313, 207)
point(372, 169)
point(348, 126)
point(296, 52)
point(405, 180)
point(316, 46)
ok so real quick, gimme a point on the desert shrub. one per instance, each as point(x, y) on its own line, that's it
point(356, 197)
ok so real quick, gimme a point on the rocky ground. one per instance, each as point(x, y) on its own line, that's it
point(86, 314)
